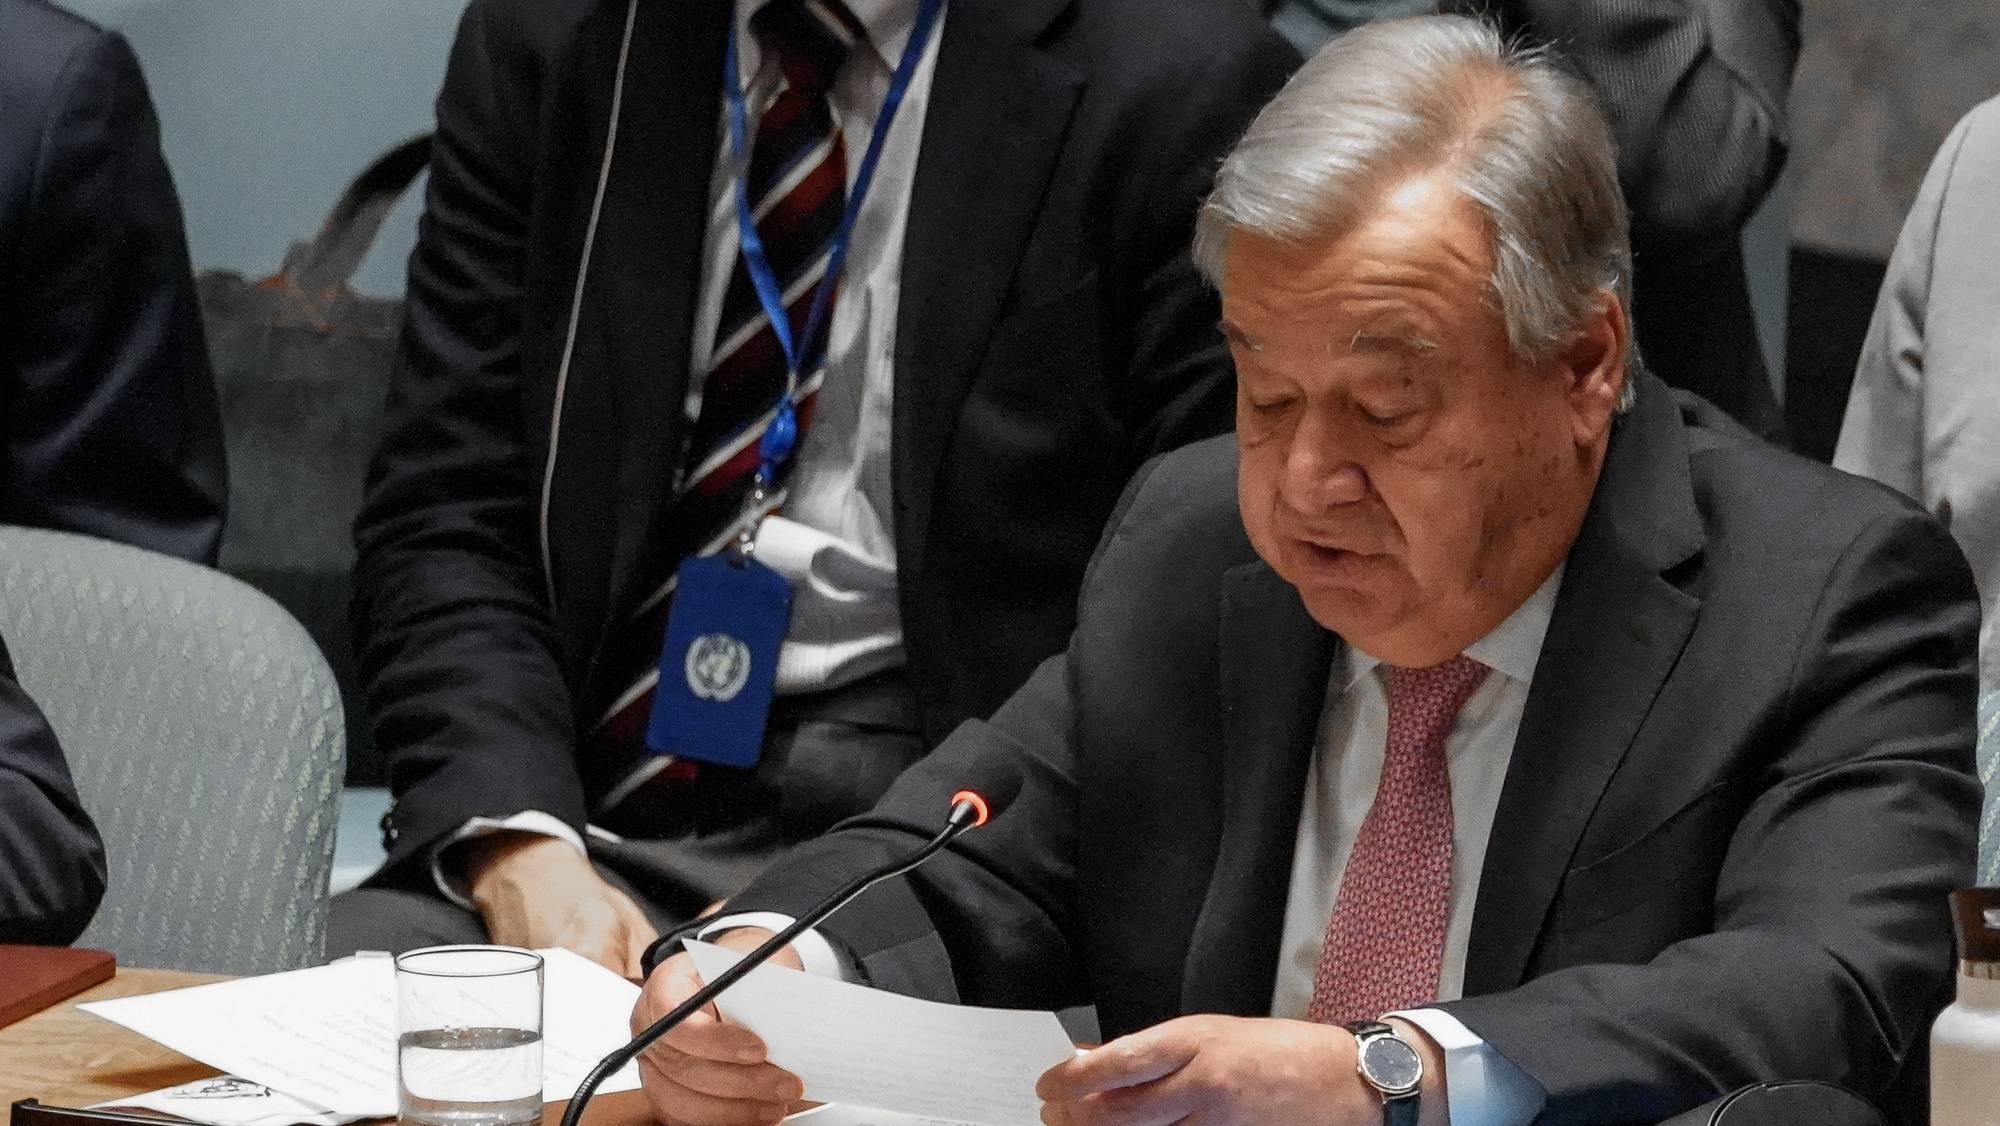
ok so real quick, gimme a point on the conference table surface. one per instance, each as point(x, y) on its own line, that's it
point(68, 1058)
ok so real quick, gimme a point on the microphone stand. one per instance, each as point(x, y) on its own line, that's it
point(965, 815)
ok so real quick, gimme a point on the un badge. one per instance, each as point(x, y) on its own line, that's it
point(719, 661)
point(718, 666)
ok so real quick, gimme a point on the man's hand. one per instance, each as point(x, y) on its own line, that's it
point(709, 1072)
point(538, 891)
point(1228, 1071)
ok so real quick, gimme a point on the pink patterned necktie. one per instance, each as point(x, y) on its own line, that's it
point(1385, 943)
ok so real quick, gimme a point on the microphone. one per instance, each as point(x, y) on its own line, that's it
point(993, 786)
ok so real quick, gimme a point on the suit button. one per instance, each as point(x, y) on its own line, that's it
point(389, 827)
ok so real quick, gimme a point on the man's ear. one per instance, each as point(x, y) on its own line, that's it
point(1594, 367)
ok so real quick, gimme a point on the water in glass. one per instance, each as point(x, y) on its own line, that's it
point(471, 1077)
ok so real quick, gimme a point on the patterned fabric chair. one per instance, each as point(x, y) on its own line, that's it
point(205, 734)
point(1989, 776)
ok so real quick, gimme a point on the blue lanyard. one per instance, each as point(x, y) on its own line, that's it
point(781, 436)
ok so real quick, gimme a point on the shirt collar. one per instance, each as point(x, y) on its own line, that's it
point(1511, 649)
point(889, 24)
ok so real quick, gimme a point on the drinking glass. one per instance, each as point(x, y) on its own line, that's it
point(469, 1044)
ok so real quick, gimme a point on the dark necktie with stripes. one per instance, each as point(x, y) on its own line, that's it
point(796, 184)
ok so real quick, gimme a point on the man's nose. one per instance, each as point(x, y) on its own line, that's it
point(1319, 472)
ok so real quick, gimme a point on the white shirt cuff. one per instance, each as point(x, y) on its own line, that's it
point(1484, 1087)
point(817, 954)
point(454, 886)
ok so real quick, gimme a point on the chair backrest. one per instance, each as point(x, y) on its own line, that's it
point(205, 734)
point(1989, 776)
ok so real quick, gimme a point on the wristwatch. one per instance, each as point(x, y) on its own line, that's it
point(1389, 1063)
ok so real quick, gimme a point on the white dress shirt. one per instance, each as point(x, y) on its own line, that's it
point(1485, 1090)
point(834, 541)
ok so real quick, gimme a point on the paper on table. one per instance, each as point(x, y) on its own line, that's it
point(229, 1101)
point(327, 1036)
point(859, 1116)
point(861, 1047)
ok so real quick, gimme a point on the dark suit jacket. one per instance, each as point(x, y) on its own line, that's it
point(108, 417)
point(51, 863)
point(1053, 335)
point(1695, 91)
point(1741, 790)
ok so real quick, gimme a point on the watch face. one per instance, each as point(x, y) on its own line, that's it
point(1391, 1065)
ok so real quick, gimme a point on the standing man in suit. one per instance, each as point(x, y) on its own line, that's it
point(51, 862)
point(1925, 414)
point(1482, 706)
point(108, 417)
point(592, 395)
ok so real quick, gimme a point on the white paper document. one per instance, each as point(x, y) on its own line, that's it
point(862, 1047)
point(327, 1036)
point(229, 1101)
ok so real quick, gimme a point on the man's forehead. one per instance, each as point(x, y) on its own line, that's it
point(1391, 283)
point(1419, 237)
point(1409, 332)
point(1371, 307)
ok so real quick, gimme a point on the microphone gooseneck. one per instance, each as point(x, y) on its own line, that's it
point(970, 809)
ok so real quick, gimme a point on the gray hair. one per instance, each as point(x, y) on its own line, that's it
point(1521, 137)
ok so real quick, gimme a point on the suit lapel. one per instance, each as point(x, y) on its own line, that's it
point(649, 256)
point(999, 107)
point(1616, 631)
point(1275, 661)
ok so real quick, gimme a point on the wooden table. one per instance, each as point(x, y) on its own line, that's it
point(68, 1058)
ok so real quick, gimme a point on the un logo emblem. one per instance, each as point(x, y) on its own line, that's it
point(718, 666)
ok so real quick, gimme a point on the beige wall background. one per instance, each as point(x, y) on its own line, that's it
point(1880, 83)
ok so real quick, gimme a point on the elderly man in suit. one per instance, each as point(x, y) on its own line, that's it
point(51, 862)
point(1487, 734)
point(593, 403)
point(1925, 414)
point(108, 416)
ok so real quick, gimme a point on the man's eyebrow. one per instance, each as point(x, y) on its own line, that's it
point(1235, 335)
point(1404, 341)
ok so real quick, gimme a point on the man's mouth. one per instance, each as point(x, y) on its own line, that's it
point(1325, 557)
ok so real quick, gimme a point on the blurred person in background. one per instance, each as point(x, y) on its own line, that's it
point(1924, 416)
point(1878, 88)
point(108, 418)
point(589, 393)
point(1696, 93)
point(51, 862)
point(1310, 23)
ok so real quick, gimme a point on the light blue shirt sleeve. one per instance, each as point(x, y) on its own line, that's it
point(1485, 1087)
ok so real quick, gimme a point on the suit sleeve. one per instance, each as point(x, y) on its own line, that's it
point(1181, 386)
point(1882, 435)
point(988, 918)
point(458, 645)
point(1696, 93)
point(992, 916)
point(1831, 938)
point(112, 427)
point(51, 862)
